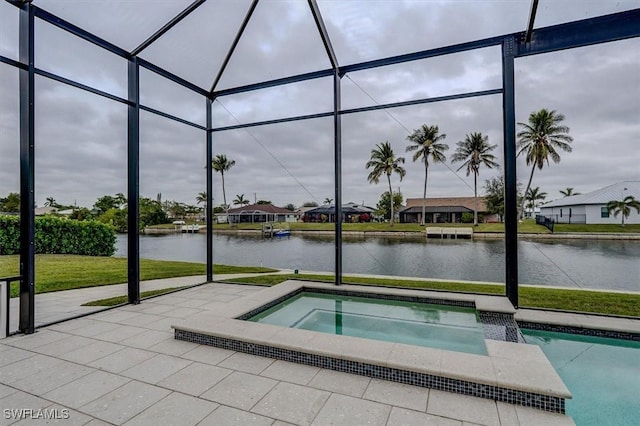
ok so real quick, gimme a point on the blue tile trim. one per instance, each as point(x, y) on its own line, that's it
point(527, 399)
point(622, 335)
point(500, 326)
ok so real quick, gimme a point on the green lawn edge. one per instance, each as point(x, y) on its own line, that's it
point(56, 272)
point(120, 300)
point(585, 301)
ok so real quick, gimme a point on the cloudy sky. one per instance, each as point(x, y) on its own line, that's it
point(81, 137)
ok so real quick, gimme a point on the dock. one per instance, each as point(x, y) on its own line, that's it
point(190, 229)
point(449, 233)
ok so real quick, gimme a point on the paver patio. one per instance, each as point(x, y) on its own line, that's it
point(123, 366)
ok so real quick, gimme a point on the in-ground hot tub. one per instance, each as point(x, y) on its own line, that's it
point(510, 371)
point(454, 328)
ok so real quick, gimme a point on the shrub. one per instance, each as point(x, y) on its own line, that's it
point(56, 235)
point(9, 234)
point(467, 217)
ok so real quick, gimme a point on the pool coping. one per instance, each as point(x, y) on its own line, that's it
point(512, 372)
point(623, 328)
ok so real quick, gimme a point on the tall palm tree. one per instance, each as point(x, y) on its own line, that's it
point(201, 198)
point(240, 200)
point(533, 196)
point(384, 161)
point(568, 192)
point(51, 202)
point(327, 201)
point(540, 139)
point(475, 151)
point(623, 207)
point(427, 143)
point(222, 164)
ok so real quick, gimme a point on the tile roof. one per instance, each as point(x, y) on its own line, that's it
point(265, 208)
point(467, 202)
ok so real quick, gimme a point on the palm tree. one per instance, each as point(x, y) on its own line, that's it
point(240, 200)
point(222, 164)
point(120, 199)
point(533, 196)
point(568, 192)
point(475, 151)
point(623, 207)
point(540, 138)
point(427, 143)
point(51, 202)
point(201, 198)
point(384, 161)
point(327, 201)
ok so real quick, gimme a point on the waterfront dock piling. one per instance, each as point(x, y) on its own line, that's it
point(451, 233)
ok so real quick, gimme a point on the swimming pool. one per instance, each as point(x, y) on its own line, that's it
point(431, 325)
point(603, 375)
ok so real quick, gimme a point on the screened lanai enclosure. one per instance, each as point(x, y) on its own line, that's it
point(137, 98)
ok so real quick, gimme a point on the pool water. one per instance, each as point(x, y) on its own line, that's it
point(602, 374)
point(437, 326)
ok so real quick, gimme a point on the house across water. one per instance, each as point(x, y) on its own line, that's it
point(258, 213)
point(351, 213)
point(445, 210)
point(591, 208)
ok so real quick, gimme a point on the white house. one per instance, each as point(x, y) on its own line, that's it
point(591, 208)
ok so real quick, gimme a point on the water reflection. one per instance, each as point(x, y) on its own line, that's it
point(338, 310)
point(603, 264)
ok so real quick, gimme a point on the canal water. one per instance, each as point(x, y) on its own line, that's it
point(591, 264)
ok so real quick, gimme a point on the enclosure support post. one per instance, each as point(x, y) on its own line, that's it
point(209, 201)
point(337, 137)
point(133, 181)
point(27, 173)
point(510, 178)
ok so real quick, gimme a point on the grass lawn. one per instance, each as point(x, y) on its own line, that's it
point(119, 300)
point(172, 226)
point(55, 272)
point(574, 227)
point(531, 297)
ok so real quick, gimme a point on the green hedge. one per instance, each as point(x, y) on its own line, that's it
point(56, 235)
point(9, 234)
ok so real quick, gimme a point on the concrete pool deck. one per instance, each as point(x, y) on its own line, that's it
point(60, 305)
point(123, 366)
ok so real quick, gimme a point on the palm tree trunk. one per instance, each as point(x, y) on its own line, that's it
point(524, 198)
point(224, 194)
point(391, 199)
point(424, 197)
point(424, 194)
point(475, 199)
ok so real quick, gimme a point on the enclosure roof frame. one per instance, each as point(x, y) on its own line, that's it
point(532, 41)
point(585, 32)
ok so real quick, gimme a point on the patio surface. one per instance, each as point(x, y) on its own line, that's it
point(59, 305)
point(123, 366)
